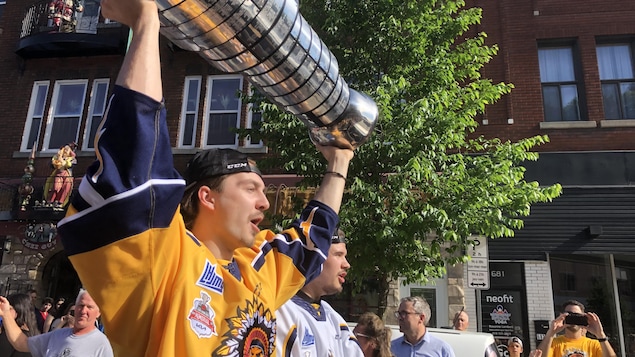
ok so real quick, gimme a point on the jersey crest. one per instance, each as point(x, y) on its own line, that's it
point(251, 332)
point(210, 278)
point(201, 317)
point(308, 339)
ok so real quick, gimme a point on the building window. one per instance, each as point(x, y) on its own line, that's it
point(254, 119)
point(61, 120)
point(436, 294)
point(222, 114)
point(96, 110)
point(430, 295)
point(223, 111)
point(35, 115)
point(189, 112)
point(66, 111)
point(559, 84)
point(615, 62)
point(567, 282)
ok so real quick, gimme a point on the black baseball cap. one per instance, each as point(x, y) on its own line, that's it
point(338, 237)
point(216, 162)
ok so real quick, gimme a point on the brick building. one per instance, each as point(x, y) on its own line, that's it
point(572, 65)
point(55, 81)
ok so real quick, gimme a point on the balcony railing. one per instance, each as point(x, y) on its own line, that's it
point(37, 203)
point(57, 29)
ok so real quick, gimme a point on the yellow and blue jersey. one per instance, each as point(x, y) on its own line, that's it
point(162, 292)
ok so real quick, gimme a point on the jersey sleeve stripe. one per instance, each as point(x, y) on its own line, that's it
point(290, 340)
point(120, 217)
point(95, 201)
point(133, 185)
point(306, 242)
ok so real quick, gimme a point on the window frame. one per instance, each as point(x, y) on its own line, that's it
point(249, 125)
point(630, 42)
point(185, 112)
point(24, 147)
point(567, 282)
point(52, 107)
point(91, 111)
point(440, 287)
point(578, 81)
point(208, 111)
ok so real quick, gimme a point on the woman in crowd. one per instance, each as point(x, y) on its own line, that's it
point(55, 313)
point(25, 317)
point(66, 320)
point(373, 336)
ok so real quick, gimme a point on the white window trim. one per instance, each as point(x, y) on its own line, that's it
point(91, 111)
point(29, 120)
point(184, 112)
point(208, 105)
point(248, 143)
point(51, 110)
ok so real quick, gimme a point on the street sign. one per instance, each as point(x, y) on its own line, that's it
point(478, 266)
point(479, 249)
point(478, 280)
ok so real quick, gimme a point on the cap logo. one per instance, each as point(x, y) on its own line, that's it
point(236, 166)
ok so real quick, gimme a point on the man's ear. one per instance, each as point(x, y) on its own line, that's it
point(206, 197)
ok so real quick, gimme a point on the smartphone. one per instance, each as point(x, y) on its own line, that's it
point(576, 319)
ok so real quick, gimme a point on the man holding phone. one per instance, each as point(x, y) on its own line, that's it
point(575, 323)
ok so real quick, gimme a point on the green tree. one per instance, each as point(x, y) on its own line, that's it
point(423, 184)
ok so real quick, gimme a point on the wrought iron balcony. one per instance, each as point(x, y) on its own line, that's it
point(34, 204)
point(69, 28)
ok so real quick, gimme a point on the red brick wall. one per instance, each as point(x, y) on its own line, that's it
point(516, 29)
point(18, 76)
point(509, 23)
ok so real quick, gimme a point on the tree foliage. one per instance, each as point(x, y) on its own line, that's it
point(423, 184)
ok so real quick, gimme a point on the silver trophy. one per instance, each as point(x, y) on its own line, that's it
point(271, 43)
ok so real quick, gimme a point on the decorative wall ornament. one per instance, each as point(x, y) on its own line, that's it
point(40, 236)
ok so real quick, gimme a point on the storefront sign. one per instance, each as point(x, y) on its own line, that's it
point(502, 312)
point(503, 307)
point(40, 236)
point(39, 246)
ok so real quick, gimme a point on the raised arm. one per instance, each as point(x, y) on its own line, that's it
point(333, 184)
point(555, 327)
point(595, 327)
point(14, 333)
point(141, 69)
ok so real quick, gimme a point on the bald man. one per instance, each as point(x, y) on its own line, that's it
point(461, 321)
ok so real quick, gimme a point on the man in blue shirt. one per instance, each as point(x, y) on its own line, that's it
point(413, 316)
